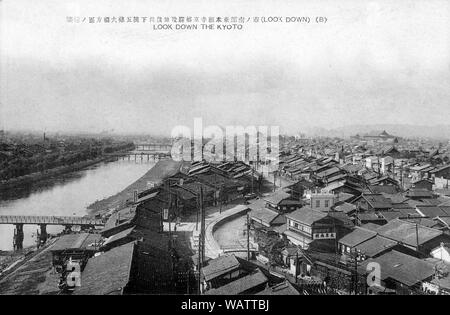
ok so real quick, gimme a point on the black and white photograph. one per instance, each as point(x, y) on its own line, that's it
point(211, 150)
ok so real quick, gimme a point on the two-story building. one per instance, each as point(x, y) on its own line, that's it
point(307, 225)
point(322, 201)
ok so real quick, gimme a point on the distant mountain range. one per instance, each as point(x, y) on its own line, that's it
point(441, 132)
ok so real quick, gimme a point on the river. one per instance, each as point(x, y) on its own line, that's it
point(66, 195)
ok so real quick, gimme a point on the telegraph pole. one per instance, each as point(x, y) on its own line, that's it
point(253, 175)
point(197, 212)
point(274, 179)
point(417, 236)
point(201, 244)
point(401, 175)
point(169, 201)
point(355, 283)
point(248, 237)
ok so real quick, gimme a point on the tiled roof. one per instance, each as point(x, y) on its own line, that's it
point(76, 241)
point(220, 266)
point(403, 268)
point(345, 207)
point(377, 201)
point(284, 288)
point(240, 285)
point(108, 273)
point(405, 232)
point(375, 246)
point(263, 214)
point(306, 215)
point(276, 197)
point(358, 236)
point(432, 212)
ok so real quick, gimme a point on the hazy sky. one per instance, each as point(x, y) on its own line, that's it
point(372, 62)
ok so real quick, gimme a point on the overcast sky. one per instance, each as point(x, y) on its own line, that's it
point(372, 62)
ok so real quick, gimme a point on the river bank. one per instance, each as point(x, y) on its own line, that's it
point(47, 174)
point(154, 176)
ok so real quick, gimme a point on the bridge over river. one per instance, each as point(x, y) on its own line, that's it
point(43, 221)
point(148, 150)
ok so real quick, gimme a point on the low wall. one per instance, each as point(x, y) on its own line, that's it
point(213, 249)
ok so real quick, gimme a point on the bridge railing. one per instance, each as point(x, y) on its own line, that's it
point(55, 220)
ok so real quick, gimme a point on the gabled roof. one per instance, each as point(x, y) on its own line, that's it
point(371, 226)
point(108, 273)
point(420, 167)
point(432, 212)
point(277, 197)
point(306, 215)
point(422, 180)
point(343, 197)
point(121, 235)
point(379, 189)
point(305, 184)
point(405, 232)
point(76, 241)
point(369, 216)
point(328, 172)
point(283, 288)
point(422, 221)
point(345, 207)
point(444, 220)
point(376, 181)
point(375, 246)
point(357, 236)
point(351, 168)
point(240, 285)
point(403, 268)
point(336, 178)
point(265, 215)
point(440, 169)
point(396, 198)
point(391, 215)
point(419, 193)
point(220, 266)
point(377, 201)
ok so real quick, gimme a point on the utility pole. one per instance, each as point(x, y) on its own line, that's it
point(417, 237)
point(378, 165)
point(274, 179)
point(248, 237)
point(354, 260)
point(201, 245)
point(197, 212)
point(401, 175)
point(253, 175)
point(221, 195)
point(355, 283)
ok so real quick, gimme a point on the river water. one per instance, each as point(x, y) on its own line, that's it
point(67, 195)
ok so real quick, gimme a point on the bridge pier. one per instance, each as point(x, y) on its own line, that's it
point(18, 237)
point(67, 229)
point(43, 236)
